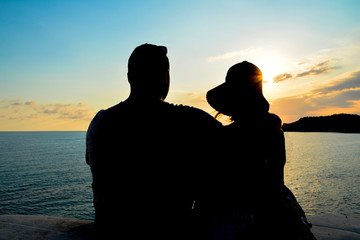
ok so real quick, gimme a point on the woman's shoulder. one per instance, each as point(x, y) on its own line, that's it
point(273, 118)
point(274, 122)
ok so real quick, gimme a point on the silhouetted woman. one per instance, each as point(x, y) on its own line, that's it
point(246, 196)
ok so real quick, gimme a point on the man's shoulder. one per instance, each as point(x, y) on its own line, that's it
point(196, 115)
point(114, 109)
point(103, 116)
point(182, 114)
point(111, 112)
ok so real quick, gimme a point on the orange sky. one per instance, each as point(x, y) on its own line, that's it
point(60, 63)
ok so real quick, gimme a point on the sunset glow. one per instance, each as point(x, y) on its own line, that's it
point(270, 69)
point(61, 62)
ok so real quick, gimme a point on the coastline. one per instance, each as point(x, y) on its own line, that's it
point(291, 131)
point(341, 123)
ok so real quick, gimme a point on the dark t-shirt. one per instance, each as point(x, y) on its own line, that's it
point(258, 150)
point(248, 199)
point(146, 163)
point(252, 163)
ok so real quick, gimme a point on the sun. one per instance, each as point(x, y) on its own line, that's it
point(269, 69)
point(271, 65)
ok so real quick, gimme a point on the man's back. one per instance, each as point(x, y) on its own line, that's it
point(144, 159)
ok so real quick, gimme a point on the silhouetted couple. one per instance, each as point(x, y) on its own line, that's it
point(165, 171)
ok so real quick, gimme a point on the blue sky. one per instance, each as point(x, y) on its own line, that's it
point(62, 61)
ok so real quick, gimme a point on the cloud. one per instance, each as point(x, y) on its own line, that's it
point(233, 54)
point(18, 110)
point(313, 70)
point(338, 96)
point(351, 82)
point(317, 69)
point(80, 104)
point(341, 99)
point(15, 104)
point(68, 111)
point(197, 99)
point(54, 108)
point(30, 103)
point(282, 77)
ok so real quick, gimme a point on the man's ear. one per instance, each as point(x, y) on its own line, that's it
point(165, 87)
point(130, 77)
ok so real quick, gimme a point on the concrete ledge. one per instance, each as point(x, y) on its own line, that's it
point(27, 227)
point(335, 227)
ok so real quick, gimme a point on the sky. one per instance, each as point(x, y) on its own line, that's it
point(63, 61)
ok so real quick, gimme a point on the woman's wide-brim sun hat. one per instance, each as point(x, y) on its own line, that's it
point(241, 91)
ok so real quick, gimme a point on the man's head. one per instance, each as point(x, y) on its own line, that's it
point(148, 71)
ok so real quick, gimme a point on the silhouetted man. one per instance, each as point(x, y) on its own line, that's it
point(145, 155)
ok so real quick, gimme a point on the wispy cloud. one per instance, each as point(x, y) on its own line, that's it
point(312, 70)
point(19, 110)
point(197, 99)
point(233, 54)
point(282, 77)
point(350, 83)
point(341, 95)
point(317, 69)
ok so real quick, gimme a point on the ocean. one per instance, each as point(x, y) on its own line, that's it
point(323, 171)
point(44, 173)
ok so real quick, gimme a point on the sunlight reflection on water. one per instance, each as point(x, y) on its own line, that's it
point(323, 171)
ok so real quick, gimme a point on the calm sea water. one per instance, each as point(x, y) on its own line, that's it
point(44, 173)
point(323, 171)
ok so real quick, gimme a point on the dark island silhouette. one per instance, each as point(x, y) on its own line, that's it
point(342, 123)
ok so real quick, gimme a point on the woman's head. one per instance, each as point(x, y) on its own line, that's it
point(241, 94)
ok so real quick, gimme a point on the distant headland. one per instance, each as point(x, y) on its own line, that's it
point(343, 123)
